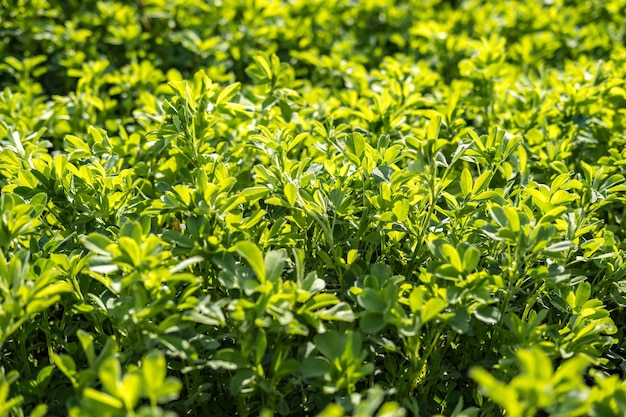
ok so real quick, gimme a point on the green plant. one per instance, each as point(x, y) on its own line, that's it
point(264, 207)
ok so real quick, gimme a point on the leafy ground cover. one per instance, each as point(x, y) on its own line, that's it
point(312, 208)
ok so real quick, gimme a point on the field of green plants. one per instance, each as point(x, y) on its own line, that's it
point(312, 208)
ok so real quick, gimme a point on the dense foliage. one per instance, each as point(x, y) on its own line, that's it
point(307, 207)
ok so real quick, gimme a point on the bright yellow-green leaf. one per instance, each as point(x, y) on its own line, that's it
point(452, 255)
point(227, 93)
point(291, 193)
point(466, 182)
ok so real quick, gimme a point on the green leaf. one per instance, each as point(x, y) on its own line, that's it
point(511, 146)
point(553, 214)
point(372, 322)
point(332, 410)
point(313, 367)
point(496, 390)
point(97, 243)
point(131, 249)
point(253, 194)
point(452, 256)
point(356, 144)
point(499, 215)
point(86, 341)
point(488, 314)
point(557, 248)
point(187, 263)
point(274, 264)
point(471, 257)
point(371, 300)
point(291, 193)
point(382, 173)
point(466, 182)
point(401, 209)
point(227, 93)
point(513, 218)
point(169, 391)
point(338, 312)
point(177, 238)
point(482, 182)
point(252, 254)
point(40, 411)
point(416, 299)
point(66, 364)
point(312, 283)
point(153, 370)
point(264, 65)
point(432, 308)
point(460, 320)
point(130, 390)
point(102, 398)
point(583, 294)
point(110, 375)
point(132, 230)
point(434, 124)
point(330, 344)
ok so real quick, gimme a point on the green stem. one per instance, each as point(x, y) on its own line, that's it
point(24, 354)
